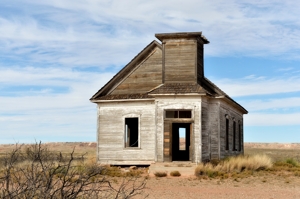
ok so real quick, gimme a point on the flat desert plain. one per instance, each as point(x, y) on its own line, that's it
point(282, 184)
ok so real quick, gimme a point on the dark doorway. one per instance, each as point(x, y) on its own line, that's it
point(180, 141)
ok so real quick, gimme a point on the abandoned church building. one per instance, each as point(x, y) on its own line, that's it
point(161, 108)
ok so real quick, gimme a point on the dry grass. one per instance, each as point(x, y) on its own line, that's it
point(160, 173)
point(175, 173)
point(234, 165)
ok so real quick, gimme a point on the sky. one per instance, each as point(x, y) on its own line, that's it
point(54, 55)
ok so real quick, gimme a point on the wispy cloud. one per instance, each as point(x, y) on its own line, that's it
point(252, 85)
point(55, 54)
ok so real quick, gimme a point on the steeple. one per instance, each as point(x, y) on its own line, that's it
point(182, 57)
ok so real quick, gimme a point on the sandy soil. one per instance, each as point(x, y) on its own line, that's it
point(269, 187)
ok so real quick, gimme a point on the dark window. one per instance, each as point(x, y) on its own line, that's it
point(131, 132)
point(227, 134)
point(178, 114)
point(240, 138)
point(233, 137)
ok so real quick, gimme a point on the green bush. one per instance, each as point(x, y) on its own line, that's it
point(292, 162)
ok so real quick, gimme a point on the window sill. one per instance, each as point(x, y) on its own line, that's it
point(132, 148)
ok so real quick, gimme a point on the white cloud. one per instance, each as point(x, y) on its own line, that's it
point(252, 85)
point(272, 104)
point(263, 119)
point(83, 33)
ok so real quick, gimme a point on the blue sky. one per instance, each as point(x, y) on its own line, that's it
point(54, 55)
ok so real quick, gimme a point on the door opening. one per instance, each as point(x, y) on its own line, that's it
point(180, 141)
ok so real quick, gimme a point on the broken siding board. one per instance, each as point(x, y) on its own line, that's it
point(167, 141)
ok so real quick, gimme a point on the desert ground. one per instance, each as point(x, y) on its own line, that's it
point(282, 184)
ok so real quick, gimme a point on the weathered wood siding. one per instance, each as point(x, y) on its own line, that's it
point(205, 131)
point(233, 115)
point(210, 129)
point(167, 141)
point(180, 60)
point(111, 132)
point(163, 131)
point(146, 76)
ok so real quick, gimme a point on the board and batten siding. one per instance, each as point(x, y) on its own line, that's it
point(111, 132)
point(146, 76)
point(233, 115)
point(178, 103)
point(210, 129)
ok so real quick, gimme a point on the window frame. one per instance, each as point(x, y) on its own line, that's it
point(240, 135)
point(226, 132)
point(125, 134)
point(178, 113)
point(234, 136)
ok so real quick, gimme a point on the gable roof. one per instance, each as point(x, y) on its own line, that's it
point(105, 90)
point(203, 87)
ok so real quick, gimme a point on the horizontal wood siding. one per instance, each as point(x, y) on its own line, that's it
point(180, 61)
point(146, 76)
point(111, 132)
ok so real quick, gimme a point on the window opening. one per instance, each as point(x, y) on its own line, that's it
point(182, 139)
point(131, 132)
point(178, 114)
point(233, 137)
point(227, 136)
point(240, 138)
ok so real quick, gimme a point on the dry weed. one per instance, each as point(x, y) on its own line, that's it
point(160, 173)
point(234, 166)
point(175, 173)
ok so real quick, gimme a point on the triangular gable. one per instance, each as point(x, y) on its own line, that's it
point(131, 75)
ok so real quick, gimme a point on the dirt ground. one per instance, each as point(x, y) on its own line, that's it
point(269, 187)
point(266, 186)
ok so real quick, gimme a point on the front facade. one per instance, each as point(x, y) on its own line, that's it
point(161, 108)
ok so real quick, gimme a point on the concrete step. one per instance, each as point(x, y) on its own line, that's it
point(186, 168)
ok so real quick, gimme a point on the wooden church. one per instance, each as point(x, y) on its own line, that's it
point(161, 108)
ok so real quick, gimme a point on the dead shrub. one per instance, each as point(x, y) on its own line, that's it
point(160, 173)
point(175, 173)
point(39, 173)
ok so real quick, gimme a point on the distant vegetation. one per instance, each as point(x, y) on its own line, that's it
point(246, 166)
point(32, 171)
